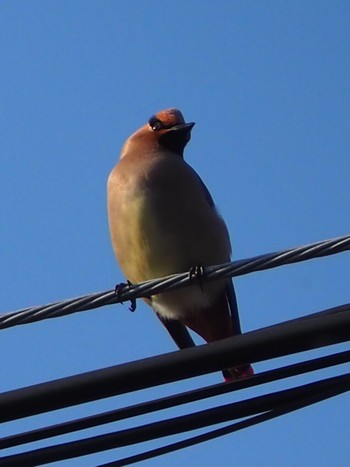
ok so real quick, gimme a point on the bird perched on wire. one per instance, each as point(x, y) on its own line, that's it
point(163, 221)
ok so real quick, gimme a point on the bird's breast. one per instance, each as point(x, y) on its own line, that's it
point(161, 223)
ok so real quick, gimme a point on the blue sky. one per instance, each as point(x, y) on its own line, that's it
point(267, 83)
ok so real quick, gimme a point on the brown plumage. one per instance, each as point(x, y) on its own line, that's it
point(163, 221)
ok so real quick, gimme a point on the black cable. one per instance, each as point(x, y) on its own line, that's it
point(269, 415)
point(317, 330)
point(174, 400)
point(293, 336)
point(179, 424)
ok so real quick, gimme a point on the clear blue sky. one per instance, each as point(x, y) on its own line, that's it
point(267, 83)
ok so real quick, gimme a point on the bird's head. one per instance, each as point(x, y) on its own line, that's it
point(165, 130)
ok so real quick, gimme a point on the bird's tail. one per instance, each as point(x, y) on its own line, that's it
point(239, 372)
point(243, 371)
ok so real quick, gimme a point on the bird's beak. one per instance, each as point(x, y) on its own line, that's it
point(176, 137)
point(184, 128)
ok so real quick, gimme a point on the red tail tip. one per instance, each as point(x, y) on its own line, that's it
point(238, 373)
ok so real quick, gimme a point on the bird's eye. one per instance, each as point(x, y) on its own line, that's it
point(155, 124)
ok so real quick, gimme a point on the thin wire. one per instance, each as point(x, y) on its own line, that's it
point(131, 292)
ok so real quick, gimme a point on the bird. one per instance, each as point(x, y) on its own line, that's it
point(163, 221)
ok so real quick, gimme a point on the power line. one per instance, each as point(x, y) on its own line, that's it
point(175, 400)
point(236, 268)
point(326, 328)
point(317, 330)
point(294, 397)
point(283, 409)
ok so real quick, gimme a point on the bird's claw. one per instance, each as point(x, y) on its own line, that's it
point(119, 288)
point(196, 274)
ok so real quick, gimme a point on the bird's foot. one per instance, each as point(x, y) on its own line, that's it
point(197, 274)
point(119, 288)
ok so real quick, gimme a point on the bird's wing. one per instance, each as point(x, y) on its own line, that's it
point(208, 196)
point(177, 330)
point(230, 291)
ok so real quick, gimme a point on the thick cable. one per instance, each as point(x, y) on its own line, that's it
point(327, 328)
point(175, 400)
